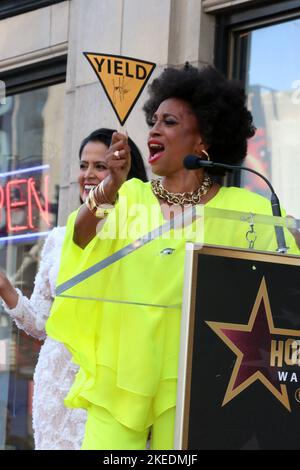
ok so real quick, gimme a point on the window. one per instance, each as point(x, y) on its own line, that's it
point(31, 136)
point(262, 48)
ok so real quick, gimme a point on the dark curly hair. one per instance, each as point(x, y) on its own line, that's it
point(224, 122)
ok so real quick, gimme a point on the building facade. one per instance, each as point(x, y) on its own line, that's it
point(50, 99)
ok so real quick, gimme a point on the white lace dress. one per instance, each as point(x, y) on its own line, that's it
point(55, 427)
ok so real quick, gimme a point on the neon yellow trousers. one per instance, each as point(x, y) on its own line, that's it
point(104, 432)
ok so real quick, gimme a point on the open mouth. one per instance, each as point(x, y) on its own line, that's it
point(156, 151)
point(88, 187)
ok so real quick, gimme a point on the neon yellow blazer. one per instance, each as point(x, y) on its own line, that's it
point(128, 351)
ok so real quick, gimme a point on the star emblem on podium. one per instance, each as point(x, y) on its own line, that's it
point(251, 343)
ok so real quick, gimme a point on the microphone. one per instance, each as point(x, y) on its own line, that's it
point(193, 162)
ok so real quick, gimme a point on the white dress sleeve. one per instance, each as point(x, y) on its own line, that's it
point(31, 314)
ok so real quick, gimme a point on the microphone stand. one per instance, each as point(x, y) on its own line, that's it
point(193, 162)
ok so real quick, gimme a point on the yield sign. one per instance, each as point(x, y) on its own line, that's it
point(123, 79)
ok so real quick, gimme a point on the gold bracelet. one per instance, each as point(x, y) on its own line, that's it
point(103, 195)
point(91, 203)
point(102, 209)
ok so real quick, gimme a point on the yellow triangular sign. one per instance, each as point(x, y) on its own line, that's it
point(123, 79)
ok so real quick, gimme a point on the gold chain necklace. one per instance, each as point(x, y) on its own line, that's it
point(181, 199)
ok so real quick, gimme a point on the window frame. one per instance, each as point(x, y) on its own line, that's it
point(231, 47)
point(9, 8)
point(35, 75)
point(18, 80)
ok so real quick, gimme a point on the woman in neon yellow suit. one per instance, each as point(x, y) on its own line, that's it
point(121, 320)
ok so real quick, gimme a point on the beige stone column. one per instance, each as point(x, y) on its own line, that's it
point(167, 32)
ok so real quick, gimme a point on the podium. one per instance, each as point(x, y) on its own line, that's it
point(239, 363)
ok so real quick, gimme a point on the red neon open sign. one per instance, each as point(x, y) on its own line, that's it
point(24, 194)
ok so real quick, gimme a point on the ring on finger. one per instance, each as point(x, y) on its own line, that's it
point(117, 154)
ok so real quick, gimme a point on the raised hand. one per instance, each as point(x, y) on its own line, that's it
point(118, 160)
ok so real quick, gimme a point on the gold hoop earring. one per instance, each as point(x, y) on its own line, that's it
point(206, 154)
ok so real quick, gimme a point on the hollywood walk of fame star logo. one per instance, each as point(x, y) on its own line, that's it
point(252, 345)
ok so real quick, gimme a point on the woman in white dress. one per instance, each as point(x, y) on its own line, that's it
point(55, 426)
